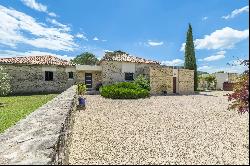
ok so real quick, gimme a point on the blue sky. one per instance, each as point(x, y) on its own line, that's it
point(152, 29)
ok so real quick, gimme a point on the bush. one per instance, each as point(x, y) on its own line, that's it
point(124, 90)
point(5, 88)
point(142, 82)
point(240, 95)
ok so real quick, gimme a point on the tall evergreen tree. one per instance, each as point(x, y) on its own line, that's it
point(190, 60)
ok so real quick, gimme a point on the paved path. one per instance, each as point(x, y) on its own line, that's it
point(194, 129)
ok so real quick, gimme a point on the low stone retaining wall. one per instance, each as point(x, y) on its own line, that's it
point(41, 136)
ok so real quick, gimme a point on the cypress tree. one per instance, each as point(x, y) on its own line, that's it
point(190, 60)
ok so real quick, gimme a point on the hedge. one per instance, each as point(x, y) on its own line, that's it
point(124, 90)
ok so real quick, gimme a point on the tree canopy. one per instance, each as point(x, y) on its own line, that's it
point(190, 60)
point(85, 58)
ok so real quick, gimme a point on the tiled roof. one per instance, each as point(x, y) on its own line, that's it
point(127, 58)
point(36, 60)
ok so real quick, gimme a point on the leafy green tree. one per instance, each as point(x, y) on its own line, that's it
point(220, 72)
point(190, 60)
point(5, 88)
point(85, 58)
point(117, 52)
point(211, 81)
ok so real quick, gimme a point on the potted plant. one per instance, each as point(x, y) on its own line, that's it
point(81, 90)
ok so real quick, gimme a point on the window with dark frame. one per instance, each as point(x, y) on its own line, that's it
point(48, 76)
point(71, 75)
point(129, 76)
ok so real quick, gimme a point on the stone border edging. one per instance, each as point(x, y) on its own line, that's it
point(41, 136)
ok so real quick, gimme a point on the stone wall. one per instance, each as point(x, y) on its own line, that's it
point(186, 81)
point(221, 78)
point(161, 79)
point(232, 77)
point(96, 77)
point(41, 136)
point(112, 71)
point(31, 78)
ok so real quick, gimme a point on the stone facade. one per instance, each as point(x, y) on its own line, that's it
point(161, 79)
point(31, 78)
point(232, 77)
point(112, 71)
point(185, 81)
point(96, 77)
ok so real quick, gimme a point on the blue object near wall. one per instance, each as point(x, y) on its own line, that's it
point(81, 101)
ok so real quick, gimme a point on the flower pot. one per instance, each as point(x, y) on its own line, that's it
point(81, 101)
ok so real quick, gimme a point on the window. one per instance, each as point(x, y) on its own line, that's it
point(48, 76)
point(71, 75)
point(129, 76)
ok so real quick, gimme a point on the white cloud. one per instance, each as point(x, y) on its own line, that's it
point(37, 6)
point(52, 14)
point(56, 23)
point(95, 38)
point(10, 53)
point(15, 27)
point(81, 36)
point(225, 38)
point(175, 62)
point(236, 12)
point(204, 18)
point(228, 69)
point(219, 55)
point(107, 51)
point(204, 68)
point(104, 40)
point(151, 43)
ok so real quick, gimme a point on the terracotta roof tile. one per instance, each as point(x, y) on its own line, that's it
point(127, 58)
point(36, 60)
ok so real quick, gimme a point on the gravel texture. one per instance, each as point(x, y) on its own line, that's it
point(186, 129)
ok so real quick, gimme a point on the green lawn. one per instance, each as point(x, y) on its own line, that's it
point(14, 108)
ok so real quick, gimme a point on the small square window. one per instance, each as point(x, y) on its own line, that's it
point(48, 76)
point(129, 76)
point(71, 75)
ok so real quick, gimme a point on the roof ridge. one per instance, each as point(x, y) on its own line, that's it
point(127, 58)
point(37, 59)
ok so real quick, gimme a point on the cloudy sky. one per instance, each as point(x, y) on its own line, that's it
point(152, 29)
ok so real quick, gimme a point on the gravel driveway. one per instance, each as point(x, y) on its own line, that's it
point(193, 129)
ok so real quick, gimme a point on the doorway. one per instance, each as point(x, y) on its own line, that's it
point(88, 80)
point(174, 84)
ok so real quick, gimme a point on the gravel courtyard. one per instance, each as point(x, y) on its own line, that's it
point(193, 129)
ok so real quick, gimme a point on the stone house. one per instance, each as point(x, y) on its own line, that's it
point(33, 74)
point(222, 78)
point(51, 74)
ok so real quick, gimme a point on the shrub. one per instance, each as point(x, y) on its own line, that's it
point(81, 88)
point(240, 95)
point(142, 82)
point(5, 88)
point(124, 90)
